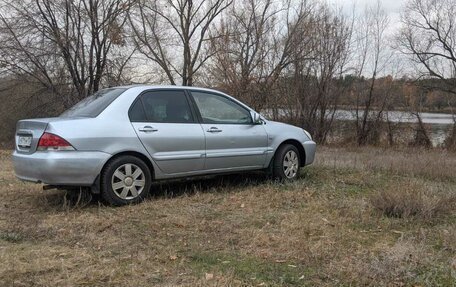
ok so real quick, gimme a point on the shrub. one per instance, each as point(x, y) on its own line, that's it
point(450, 141)
point(413, 200)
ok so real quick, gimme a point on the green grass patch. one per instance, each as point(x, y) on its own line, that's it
point(250, 270)
point(437, 275)
point(12, 237)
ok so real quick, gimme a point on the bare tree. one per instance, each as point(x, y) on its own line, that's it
point(428, 36)
point(316, 78)
point(284, 60)
point(173, 33)
point(64, 45)
point(256, 41)
point(373, 56)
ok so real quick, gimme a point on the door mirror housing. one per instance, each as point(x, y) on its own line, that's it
point(256, 119)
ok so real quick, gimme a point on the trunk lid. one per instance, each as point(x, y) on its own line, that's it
point(28, 133)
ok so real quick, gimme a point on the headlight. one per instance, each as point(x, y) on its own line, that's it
point(307, 134)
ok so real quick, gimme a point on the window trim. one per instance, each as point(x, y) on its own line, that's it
point(194, 118)
point(200, 118)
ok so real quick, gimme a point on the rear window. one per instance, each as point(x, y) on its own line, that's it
point(93, 105)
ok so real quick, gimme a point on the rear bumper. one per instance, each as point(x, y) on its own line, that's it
point(309, 147)
point(79, 168)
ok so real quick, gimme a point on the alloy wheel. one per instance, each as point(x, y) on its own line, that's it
point(290, 164)
point(128, 181)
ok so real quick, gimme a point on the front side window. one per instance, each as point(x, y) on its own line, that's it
point(216, 109)
point(167, 107)
point(93, 105)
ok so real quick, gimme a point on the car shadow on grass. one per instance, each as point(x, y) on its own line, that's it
point(231, 183)
point(83, 198)
point(208, 184)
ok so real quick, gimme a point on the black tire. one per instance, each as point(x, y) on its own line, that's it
point(278, 163)
point(109, 181)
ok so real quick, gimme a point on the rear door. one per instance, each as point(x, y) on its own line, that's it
point(167, 127)
point(232, 140)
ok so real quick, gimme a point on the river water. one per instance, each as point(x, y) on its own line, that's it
point(403, 117)
point(439, 125)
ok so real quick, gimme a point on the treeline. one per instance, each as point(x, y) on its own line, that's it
point(404, 91)
point(299, 60)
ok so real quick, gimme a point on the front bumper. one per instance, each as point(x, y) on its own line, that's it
point(79, 168)
point(310, 148)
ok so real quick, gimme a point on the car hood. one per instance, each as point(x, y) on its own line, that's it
point(285, 130)
point(279, 125)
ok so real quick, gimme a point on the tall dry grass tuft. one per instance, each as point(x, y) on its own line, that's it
point(410, 199)
point(392, 266)
point(431, 164)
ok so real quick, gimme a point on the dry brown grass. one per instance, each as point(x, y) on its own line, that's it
point(239, 230)
point(434, 163)
point(412, 199)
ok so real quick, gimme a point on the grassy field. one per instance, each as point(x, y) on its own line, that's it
point(357, 217)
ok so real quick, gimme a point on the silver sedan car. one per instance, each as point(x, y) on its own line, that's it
point(119, 140)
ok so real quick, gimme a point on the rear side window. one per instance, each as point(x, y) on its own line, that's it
point(93, 105)
point(167, 107)
point(137, 113)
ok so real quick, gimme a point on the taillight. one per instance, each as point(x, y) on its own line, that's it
point(50, 141)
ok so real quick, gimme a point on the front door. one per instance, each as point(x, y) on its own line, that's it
point(169, 131)
point(232, 140)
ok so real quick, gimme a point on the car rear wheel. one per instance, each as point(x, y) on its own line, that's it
point(286, 163)
point(125, 180)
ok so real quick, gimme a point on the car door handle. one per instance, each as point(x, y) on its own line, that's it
point(213, 130)
point(147, 129)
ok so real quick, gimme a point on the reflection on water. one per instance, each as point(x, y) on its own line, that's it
point(438, 133)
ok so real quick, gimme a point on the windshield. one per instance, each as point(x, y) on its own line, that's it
point(93, 105)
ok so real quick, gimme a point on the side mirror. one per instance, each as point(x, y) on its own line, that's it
point(256, 119)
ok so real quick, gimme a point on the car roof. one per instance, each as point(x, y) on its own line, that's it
point(133, 91)
point(142, 87)
point(147, 87)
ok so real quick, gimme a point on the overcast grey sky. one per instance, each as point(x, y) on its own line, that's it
point(392, 8)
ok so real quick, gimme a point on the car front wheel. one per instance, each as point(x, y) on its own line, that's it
point(286, 163)
point(125, 180)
